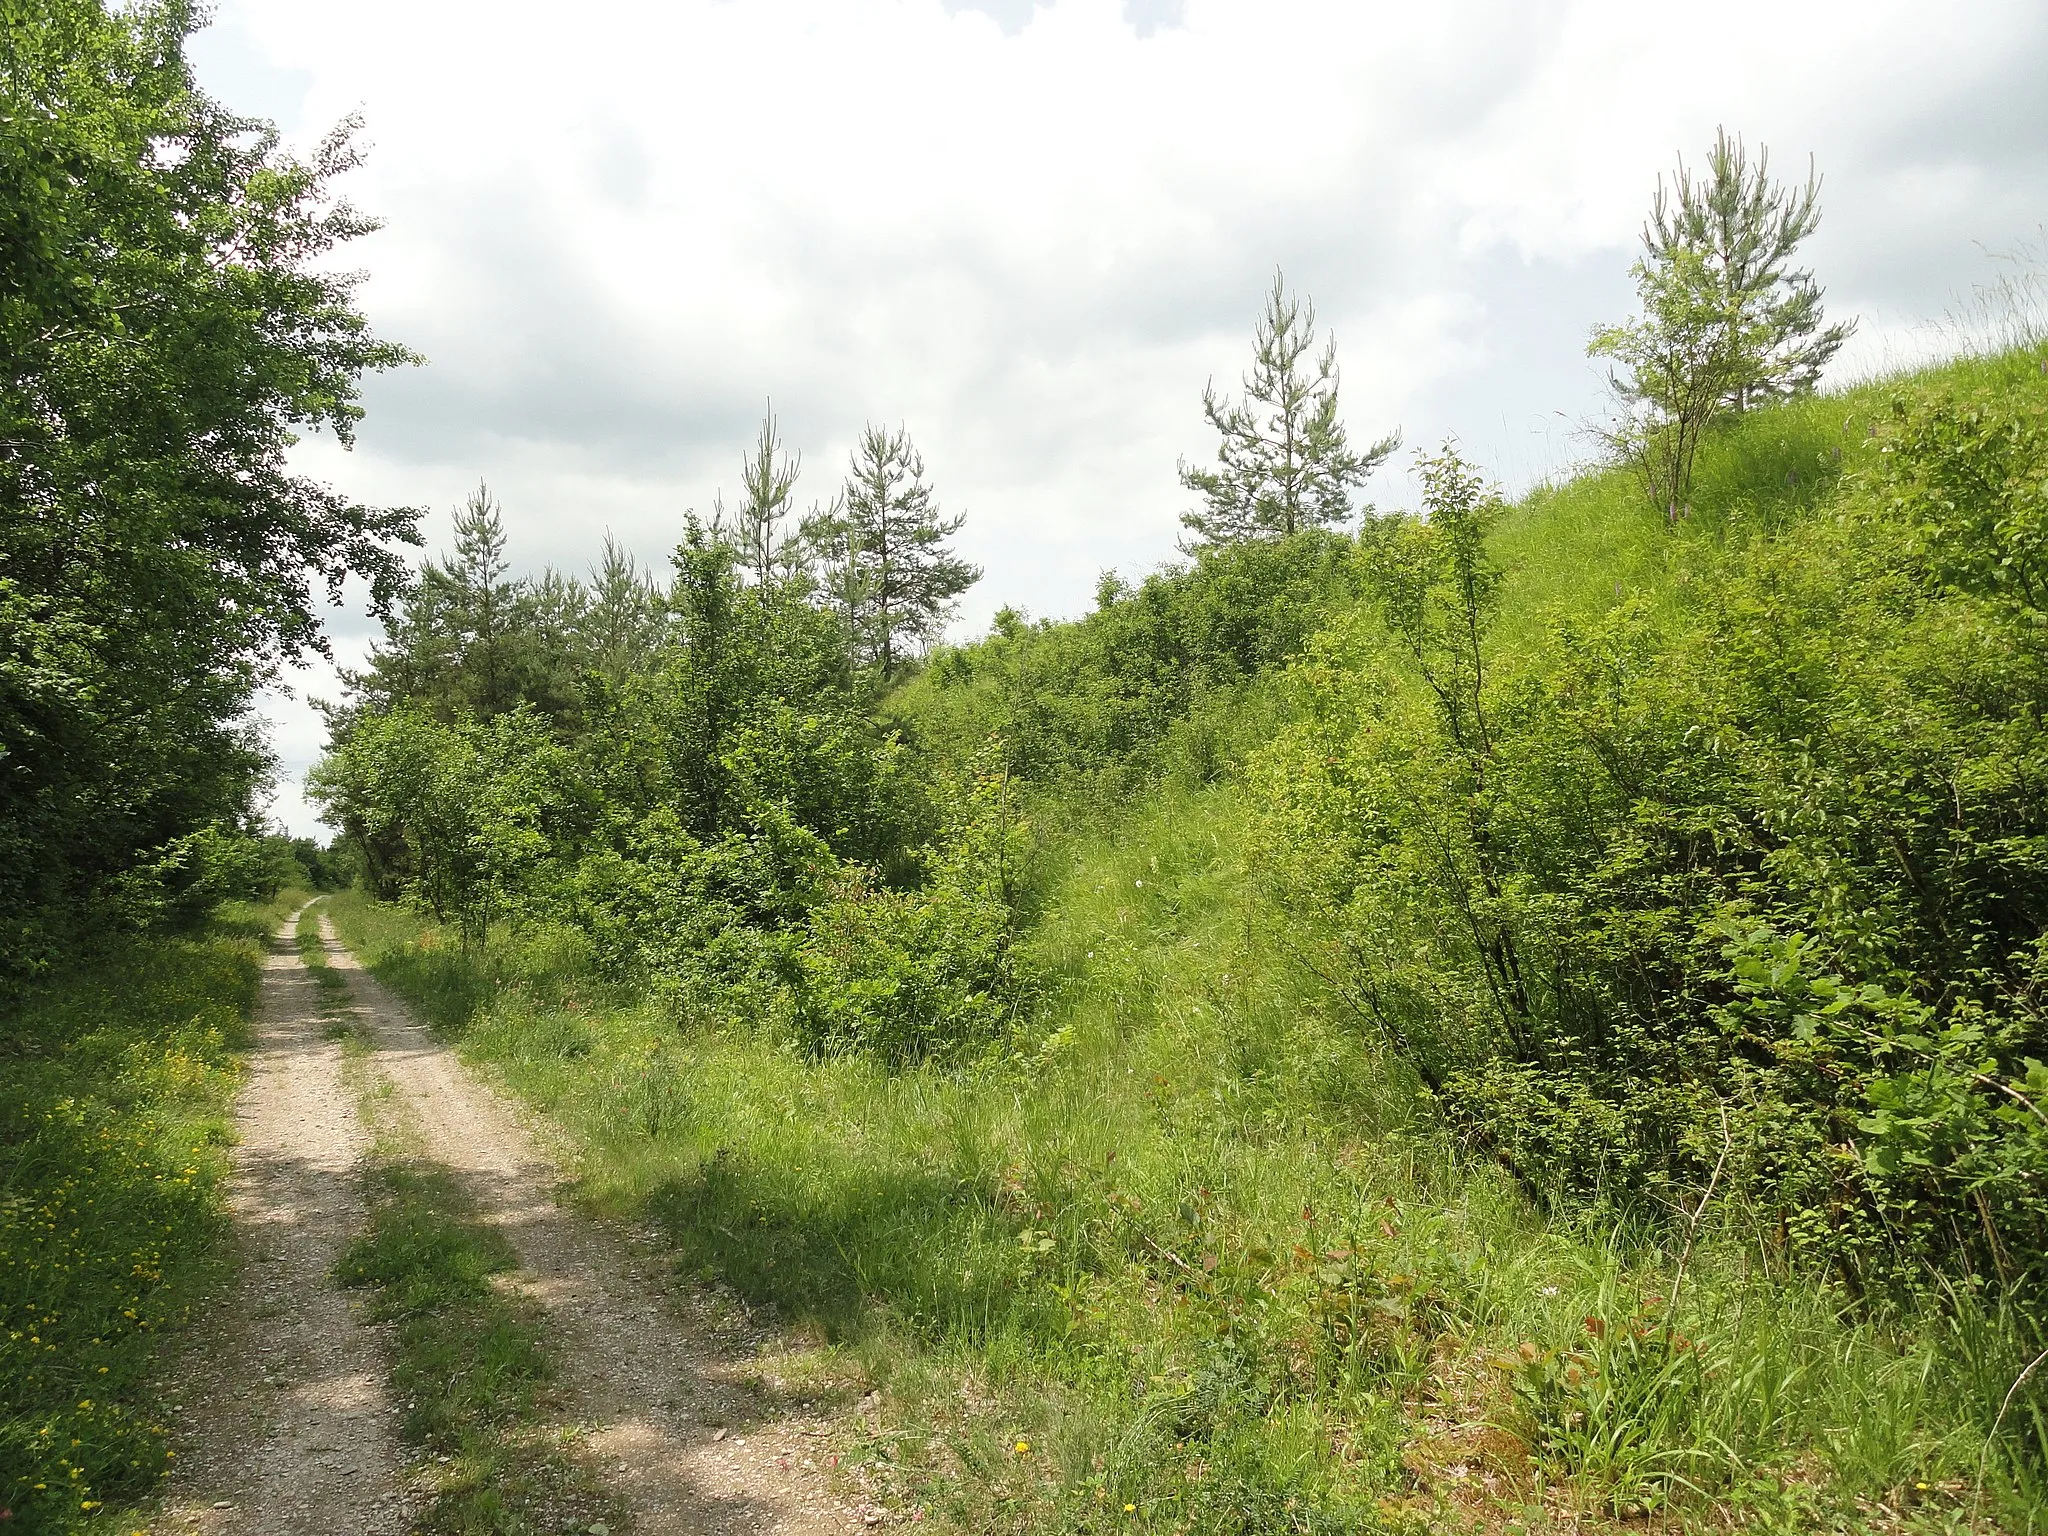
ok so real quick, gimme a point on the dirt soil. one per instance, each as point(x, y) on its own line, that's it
point(288, 1425)
point(285, 1422)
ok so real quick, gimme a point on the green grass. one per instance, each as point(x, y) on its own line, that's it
point(1190, 1254)
point(115, 1077)
point(1195, 1248)
point(313, 955)
point(471, 1367)
point(1577, 548)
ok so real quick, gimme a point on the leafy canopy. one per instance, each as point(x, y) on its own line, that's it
point(169, 319)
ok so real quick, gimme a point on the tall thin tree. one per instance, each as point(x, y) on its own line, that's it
point(896, 542)
point(768, 484)
point(485, 599)
point(623, 623)
point(1284, 464)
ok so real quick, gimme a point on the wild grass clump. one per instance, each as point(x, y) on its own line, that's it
point(115, 1076)
point(471, 1367)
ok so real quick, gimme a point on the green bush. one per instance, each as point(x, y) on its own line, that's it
point(933, 970)
point(1774, 852)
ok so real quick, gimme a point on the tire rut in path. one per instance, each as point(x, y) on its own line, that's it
point(656, 1382)
point(287, 1420)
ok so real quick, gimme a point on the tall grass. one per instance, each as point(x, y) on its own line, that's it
point(1191, 1256)
point(115, 1076)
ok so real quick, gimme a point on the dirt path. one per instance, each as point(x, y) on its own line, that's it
point(285, 1422)
point(662, 1389)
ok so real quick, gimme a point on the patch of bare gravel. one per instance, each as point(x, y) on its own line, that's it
point(661, 1385)
point(284, 1421)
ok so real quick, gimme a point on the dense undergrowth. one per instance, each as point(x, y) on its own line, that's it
point(1205, 1260)
point(115, 1075)
point(1524, 1015)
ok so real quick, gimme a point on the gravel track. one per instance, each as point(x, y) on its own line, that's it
point(660, 1388)
point(287, 1422)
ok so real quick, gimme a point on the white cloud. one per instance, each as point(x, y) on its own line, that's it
point(1031, 231)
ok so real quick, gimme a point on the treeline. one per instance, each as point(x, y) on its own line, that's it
point(689, 775)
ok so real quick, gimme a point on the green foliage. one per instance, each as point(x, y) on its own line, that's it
point(1191, 1256)
point(1291, 471)
point(114, 1080)
point(1159, 677)
point(768, 479)
point(931, 971)
point(883, 556)
point(469, 638)
point(470, 1366)
point(170, 316)
point(727, 824)
point(1772, 849)
point(1727, 322)
point(458, 816)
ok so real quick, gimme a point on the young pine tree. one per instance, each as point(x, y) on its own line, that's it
point(1284, 465)
point(484, 602)
point(890, 558)
point(1727, 321)
point(768, 483)
point(622, 625)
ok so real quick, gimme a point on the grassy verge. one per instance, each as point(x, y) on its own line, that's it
point(115, 1078)
point(1192, 1260)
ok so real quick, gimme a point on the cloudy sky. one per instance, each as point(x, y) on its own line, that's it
point(1030, 231)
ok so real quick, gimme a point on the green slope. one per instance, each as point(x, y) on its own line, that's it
point(1190, 1251)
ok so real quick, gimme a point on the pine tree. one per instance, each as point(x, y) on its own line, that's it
point(1727, 321)
point(768, 481)
point(1284, 465)
point(832, 553)
point(893, 565)
point(484, 600)
point(622, 628)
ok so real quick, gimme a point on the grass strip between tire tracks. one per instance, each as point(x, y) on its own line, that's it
point(470, 1363)
point(470, 1367)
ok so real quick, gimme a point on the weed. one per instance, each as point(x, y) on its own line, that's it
point(115, 1076)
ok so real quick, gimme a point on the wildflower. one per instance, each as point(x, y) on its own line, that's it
point(1023, 1446)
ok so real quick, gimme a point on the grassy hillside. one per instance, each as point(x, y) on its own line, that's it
point(1189, 1248)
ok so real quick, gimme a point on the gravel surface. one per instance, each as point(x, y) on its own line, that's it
point(284, 1418)
point(284, 1422)
point(658, 1385)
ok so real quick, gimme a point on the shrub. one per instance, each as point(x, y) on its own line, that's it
point(1776, 849)
point(929, 971)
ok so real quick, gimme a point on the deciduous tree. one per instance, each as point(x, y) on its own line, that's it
point(1727, 321)
point(170, 316)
